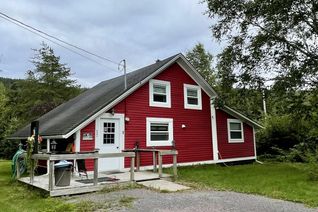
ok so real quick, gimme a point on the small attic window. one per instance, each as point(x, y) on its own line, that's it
point(192, 97)
point(159, 93)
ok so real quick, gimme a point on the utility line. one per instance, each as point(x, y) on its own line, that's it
point(39, 33)
point(51, 36)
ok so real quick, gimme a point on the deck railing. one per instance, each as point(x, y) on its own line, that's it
point(51, 158)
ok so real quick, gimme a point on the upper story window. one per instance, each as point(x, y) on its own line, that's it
point(159, 131)
point(159, 93)
point(192, 97)
point(235, 131)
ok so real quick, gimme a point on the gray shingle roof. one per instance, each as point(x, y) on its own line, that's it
point(72, 113)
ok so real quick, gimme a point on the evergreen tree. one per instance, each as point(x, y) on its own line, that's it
point(47, 85)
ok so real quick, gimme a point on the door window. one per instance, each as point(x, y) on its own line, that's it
point(109, 133)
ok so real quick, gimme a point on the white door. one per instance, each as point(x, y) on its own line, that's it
point(109, 143)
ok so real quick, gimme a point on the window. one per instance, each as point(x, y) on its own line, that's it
point(159, 93)
point(109, 133)
point(192, 97)
point(159, 131)
point(235, 131)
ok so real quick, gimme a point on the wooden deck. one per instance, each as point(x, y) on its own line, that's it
point(76, 187)
point(46, 182)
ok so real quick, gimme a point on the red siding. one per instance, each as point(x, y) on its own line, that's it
point(88, 145)
point(233, 150)
point(194, 142)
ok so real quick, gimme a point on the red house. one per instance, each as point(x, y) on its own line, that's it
point(164, 104)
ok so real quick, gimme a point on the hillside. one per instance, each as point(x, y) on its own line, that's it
point(8, 81)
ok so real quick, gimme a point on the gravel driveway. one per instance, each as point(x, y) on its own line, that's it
point(194, 201)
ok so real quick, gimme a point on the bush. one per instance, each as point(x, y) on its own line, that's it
point(8, 148)
point(280, 134)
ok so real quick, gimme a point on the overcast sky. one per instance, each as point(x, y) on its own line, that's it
point(138, 31)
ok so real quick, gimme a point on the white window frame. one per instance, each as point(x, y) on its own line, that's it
point(152, 103)
point(168, 121)
point(185, 94)
point(235, 140)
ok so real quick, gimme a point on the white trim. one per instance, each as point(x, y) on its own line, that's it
point(121, 118)
point(254, 139)
point(240, 116)
point(78, 141)
point(185, 95)
point(214, 132)
point(152, 103)
point(149, 121)
point(200, 162)
point(120, 98)
point(211, 91)
point(235, 140)
point(182, 62)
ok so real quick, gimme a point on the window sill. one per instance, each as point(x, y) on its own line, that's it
point(190, 107)
point(159, 143)
point(156, 104)
point(236, 141)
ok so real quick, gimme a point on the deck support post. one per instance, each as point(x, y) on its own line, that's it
point(95, 171)
point(154, 160)
point(132, 169)
point(160, 164)
point(175, 173)
point(137, 161)
point(32, 171)
point(96, 168)
point(51, 174)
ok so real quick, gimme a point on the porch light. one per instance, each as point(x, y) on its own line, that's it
point(53, 145)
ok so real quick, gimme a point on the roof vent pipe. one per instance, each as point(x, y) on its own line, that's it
point(125, 74)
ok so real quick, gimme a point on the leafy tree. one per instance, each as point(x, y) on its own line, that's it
point(272, 39)
point(7, 125)
point(47, 86)
point(202, 61)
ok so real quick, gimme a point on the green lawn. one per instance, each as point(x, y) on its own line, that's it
point(15, 196)
point(277, 180)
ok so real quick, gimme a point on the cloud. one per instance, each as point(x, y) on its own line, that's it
point(139, 31)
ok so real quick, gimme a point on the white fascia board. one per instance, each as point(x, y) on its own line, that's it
point(240, 116)
point(201, 81)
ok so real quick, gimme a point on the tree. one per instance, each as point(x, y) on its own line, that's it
point(7, 125)
point(47, 86)
point(202, 61)
point(269, 39)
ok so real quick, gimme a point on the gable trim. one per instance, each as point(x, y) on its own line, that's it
point(121, 97)
point(241, 117)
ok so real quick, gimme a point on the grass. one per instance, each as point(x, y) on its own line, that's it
point(285, 181)
point(15, 196)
